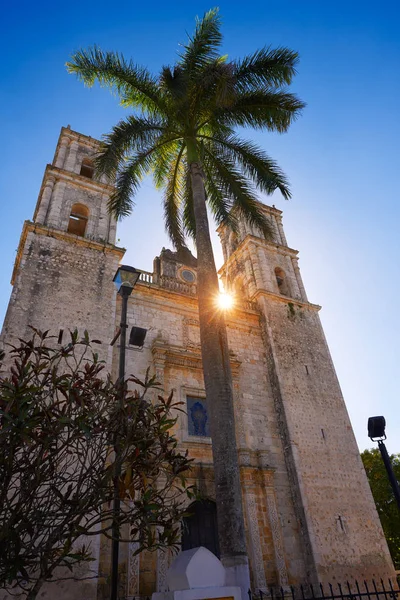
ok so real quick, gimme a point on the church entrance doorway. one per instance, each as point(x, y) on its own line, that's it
point(200, 527)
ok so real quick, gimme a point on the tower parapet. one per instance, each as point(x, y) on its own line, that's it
point(71, 198)
point(341, 532)
point(254, 263)
point(66, 259)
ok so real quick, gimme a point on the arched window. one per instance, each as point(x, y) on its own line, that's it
point(87, 168)
point(281, 281)
point(200, 527)
point(78, 219)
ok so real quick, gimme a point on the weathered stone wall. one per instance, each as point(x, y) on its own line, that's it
point(308, 508)
point(62, 282)
point(172, 348)
point(342, 524)
point(342, 536)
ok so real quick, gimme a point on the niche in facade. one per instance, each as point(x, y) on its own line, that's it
point(282, 282)
point(78, 219)
point(87, 168)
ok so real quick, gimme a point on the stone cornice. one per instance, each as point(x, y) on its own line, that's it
point(75, 240)
point(166, 355)
point(79, 181)
point(266, 207)
point(279, 248)
point(285, 299)
point(251, 239)
point(156, 295)
point(86, 140)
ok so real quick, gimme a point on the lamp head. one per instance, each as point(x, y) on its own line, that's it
point(376, 428)
point(137, 336)
point(126, 277)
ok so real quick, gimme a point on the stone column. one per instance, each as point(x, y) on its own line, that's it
point(132, 587)
point(112, 230)
point(54, 212)
point(249, 277)
point(239, 416)
point(280, 229)
point(295, 263)
point(62, 152)
point(71, 159)
point(294, 290)
point(45, 200)
point(276, 531)
point(250, 484)
point(256, 266)
point(159, 352)
point(163, 564)
point(277, 234)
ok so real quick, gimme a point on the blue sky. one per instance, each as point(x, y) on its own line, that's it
point(341, 156)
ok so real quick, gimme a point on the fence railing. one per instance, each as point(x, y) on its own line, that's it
point(328, 591)
point(146, 277)
point(189, 289)
point(170, 283)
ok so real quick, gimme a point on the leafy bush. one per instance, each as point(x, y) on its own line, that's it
point(61, 418)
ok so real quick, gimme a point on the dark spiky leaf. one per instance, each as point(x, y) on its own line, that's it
point(188, 218)
point(133, 84)
point(239, 190)
point(204, 45)
point(266, 68)
point(173, 200)
point(130, 135)
point(261, 109)
point(201, 99)
point(254, 162)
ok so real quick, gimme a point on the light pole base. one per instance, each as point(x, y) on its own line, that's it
point(237, 573)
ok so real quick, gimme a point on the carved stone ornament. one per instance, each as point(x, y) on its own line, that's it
point(277, 538)
point(258, 563)
point(133, 571)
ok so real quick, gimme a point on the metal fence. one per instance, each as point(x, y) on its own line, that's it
point(337, 591)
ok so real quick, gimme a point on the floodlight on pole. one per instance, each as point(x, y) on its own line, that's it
point(376, 432)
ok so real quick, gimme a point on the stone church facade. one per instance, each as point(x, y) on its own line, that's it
point(309, 512)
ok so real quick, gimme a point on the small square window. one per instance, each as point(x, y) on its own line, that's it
point(198, 419)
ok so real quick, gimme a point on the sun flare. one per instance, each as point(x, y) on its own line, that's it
point(225, 301)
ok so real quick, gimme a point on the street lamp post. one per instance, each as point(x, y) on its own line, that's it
point(125, 280)
point(376, 432)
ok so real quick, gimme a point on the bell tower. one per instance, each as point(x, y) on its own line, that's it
point(66, 259)
point(336, 515)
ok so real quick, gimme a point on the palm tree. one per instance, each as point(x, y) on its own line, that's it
point(182, 131)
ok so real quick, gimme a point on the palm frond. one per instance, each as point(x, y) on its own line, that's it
point(173, 199)
point(164, 156)
point(133, 84)
point(237, 188)
point(130, 135)
point(274, 111)
point(254, 163)
point(203, 46)
point(173, 82)
point(266, 67)
point(214, 86)
point(188, 217)
point(127, 183)
point(220, 204)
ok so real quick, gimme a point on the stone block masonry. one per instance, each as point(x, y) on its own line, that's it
point(309, 512)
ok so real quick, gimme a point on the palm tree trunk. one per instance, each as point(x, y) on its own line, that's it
point(219, 391)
